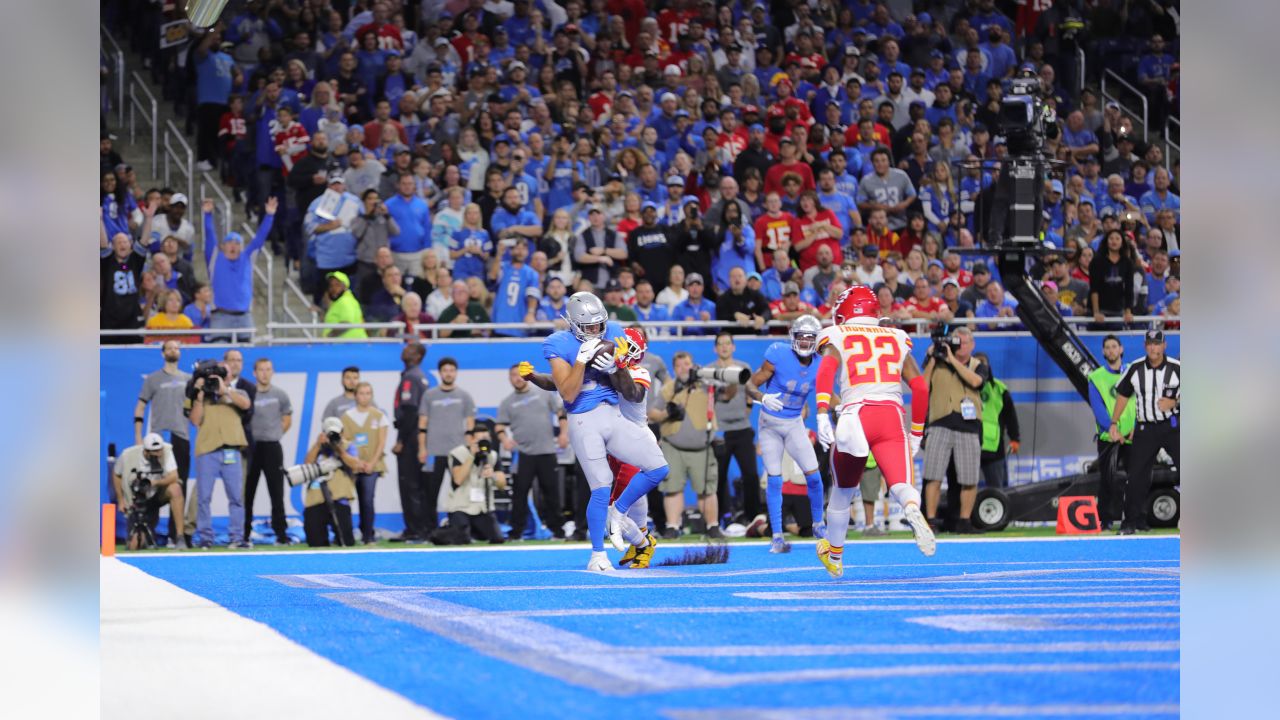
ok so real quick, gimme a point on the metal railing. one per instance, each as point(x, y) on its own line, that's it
point(1081, 68)
point(111, 50)
point(1170, 145)
point(208, 182)
point(150, 109)
point(233, 335)
point(181, 155)
point(1116, 79)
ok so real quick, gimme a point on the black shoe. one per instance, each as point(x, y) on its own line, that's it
point(670, 533)
point(715, 533)
point(578, 536)
point(1125, 531)
point(1144, 528)
point(403, 537)
point(965, 527)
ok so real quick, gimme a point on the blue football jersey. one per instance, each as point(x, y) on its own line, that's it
point(596, 388)
point(791, 377)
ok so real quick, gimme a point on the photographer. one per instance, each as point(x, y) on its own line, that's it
point(145, 477)
point(474, 475)
point(316, 519)
point(215, 409)
point(954, 430)
point(687, 428)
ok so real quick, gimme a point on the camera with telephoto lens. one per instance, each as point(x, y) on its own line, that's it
point(726, 375)
point(307, 473)
point(942, 338)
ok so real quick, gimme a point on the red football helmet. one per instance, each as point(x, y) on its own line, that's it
point(636, 346)
point(858, 301)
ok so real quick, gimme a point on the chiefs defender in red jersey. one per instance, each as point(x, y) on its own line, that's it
point(872, 362)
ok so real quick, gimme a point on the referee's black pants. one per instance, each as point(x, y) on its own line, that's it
point(267, 457)
point(1148, 440)
point(412, 486)
point(439, 465)
point(1110, 494)
point(739, 445)
point(543, 467)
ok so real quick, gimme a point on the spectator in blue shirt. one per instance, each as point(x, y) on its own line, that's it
point(518, 293)
point(1115, 198)
point(1154, 71)
point(695, 307)
point(996, 303)
point(1001, 62)
point(646, 309)
point(881, 25)
point(551, 306)
point(118, 205)
point(330, 243)
point(1161, 198)
point(1079, 138)
point(737, 248)
point(214, 76)
point(413, 218)
point(231, 269)
point(988, 16)
point(471, 247)
point(511, 223)
point(840, 203)
point(200, 309)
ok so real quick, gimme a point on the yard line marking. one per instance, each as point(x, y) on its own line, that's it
point(906, 595)
point(884, 713)
point(723, 610)
point(562, 654)
point(641, 574)
point(731, 651)
point(993, 669)
point(332, 580)
point(1046, 621)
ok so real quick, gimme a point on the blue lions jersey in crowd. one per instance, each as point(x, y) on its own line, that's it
point(791, 377)
point(596, 388)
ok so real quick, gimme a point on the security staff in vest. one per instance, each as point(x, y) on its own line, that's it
point(1155, 386)
point(153, 460)
point(163, 391)
point(413, 383)
point(317, 522)
point(954, 432)
point(450, 414)
point(1102, 400)
point(733, 412)
point(272, 418)
point(473, 476)
point(215, 409)
point(525, 420)
point(999, 418)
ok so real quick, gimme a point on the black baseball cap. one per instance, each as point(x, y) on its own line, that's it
point(1155, 337)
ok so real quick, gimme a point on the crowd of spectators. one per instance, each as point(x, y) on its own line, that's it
point(470, 161)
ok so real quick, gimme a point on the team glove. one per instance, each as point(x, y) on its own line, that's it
point(915, 438)
point(587, 351)
point(525, 369)
point(826, 435)
point(604, 362)
point(621, 352)
point(674, 412)
point(772, 402)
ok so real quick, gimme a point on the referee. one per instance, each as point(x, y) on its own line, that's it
point(1156, 383)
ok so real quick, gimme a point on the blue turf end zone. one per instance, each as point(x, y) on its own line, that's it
point(1077, 628)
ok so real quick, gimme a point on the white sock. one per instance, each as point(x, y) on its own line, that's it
point(639, 512)
point(838, 514)
point(904, 493)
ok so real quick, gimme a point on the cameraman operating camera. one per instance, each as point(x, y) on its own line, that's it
point(474, 474)
point(316, 519)
point(215, 408)
point(682, 410)
point(954, 431)
point(146, 475)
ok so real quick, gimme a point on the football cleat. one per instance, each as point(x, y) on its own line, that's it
point(834, 566)
point(599, 562)
point(779, 546)
point(645, 554)
point(629, 556)
point(613, 528)
point(920, 528)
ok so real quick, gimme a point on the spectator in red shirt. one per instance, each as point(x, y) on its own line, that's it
point(818, 226)
point(775, 229)
point(879, 234)
point(787, 163)
point(373, 128)
point(924, 304)
point(951, 269)
point(237, 154)
point(290, 138)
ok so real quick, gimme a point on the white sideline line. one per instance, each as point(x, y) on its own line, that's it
point(903, 595)
point(691, 582)
point(731, 651)
point(945, 711)
point(861, 608)
point(584, 545)
point(149, 625)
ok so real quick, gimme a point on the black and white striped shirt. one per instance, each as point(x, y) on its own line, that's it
point(1144, 385)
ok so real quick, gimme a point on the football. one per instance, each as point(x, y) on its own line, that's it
point(605, 348)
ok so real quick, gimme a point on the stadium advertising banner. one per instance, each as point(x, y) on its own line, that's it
point(1057, 427)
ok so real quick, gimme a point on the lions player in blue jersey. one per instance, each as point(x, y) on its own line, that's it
point(786, 380)
point(583, 361)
